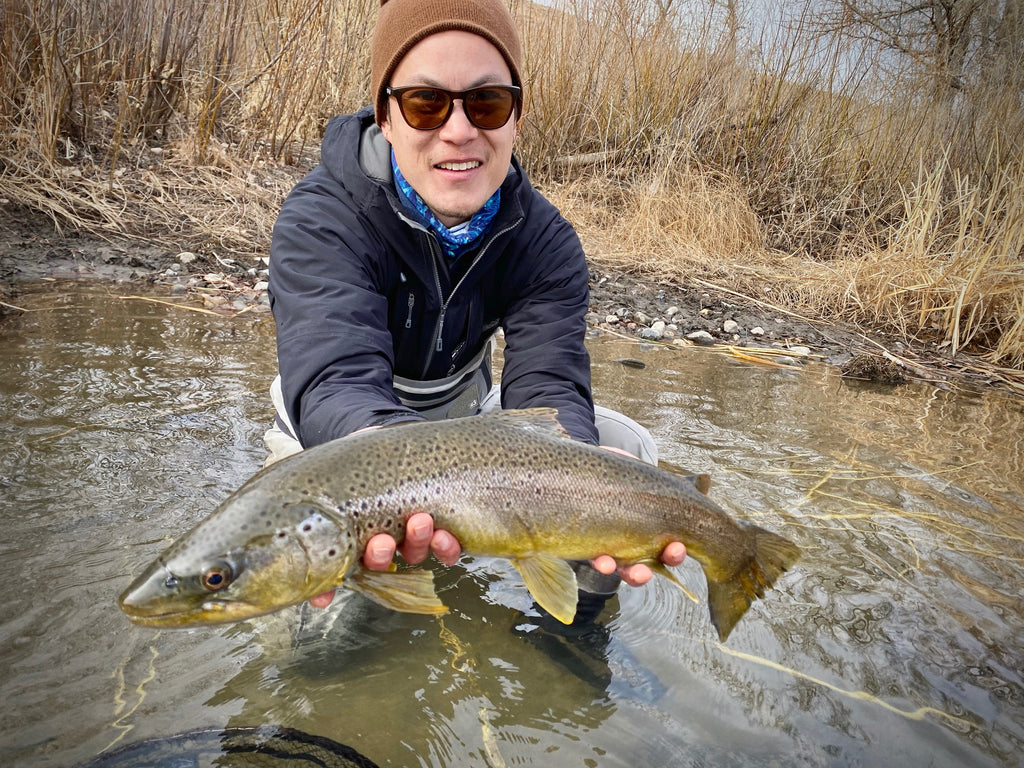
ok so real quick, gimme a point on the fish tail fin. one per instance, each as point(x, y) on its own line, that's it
point(729, 597)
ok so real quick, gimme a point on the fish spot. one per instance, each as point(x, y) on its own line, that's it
point(332, 552)
point(281, 534)
point(307, 527)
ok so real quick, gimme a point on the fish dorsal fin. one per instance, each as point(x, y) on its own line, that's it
point(536, 419)
point(552, 584)
point(405, 591)
point(701, 482)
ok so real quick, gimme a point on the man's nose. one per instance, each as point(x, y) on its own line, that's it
point(458, 128)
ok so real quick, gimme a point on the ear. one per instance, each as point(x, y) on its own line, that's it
point(385, 128)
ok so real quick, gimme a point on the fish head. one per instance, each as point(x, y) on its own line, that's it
point(255, 554)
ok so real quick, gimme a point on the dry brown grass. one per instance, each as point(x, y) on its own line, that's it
point(677, 151)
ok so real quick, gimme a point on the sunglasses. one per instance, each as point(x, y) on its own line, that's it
point(425, 108)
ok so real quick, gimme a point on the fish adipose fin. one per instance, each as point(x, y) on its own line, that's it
point(701, 482)
point(552, 584)
point(405, 591)
point(729, 597)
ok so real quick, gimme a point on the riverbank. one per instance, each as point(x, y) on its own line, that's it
point(622, 303)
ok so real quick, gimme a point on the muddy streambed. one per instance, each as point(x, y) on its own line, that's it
point(897, 640)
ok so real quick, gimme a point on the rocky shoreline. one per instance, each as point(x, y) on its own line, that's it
point(32, 251)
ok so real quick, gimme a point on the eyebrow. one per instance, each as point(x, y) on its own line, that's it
point(488, 79)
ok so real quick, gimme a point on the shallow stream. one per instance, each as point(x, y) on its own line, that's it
point(898, 639)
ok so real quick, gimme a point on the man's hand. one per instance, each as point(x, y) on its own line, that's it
point(420, 540)
point(639, 574)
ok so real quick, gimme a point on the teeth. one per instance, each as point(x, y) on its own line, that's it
point(459, 166)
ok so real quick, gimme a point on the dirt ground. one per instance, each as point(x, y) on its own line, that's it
point(33, 251)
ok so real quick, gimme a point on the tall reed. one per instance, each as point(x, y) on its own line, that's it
point(790, 163)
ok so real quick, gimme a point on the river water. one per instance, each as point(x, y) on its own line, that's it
point(898, 639)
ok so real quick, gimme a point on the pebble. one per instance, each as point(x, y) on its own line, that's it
point(757, 330)
point(187, 257)
point(703, 338)
point(731, 326)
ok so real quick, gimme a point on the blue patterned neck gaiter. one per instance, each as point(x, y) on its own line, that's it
point(457, 240)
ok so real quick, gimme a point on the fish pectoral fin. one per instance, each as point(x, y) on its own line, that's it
point(405, 591)
point(552, 584)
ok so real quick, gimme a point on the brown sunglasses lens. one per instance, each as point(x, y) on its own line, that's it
point(428, 108)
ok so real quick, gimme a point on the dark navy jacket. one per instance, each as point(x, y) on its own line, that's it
point(361, 293)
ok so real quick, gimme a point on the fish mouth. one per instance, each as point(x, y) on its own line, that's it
point(154, 613)
point(210, 612)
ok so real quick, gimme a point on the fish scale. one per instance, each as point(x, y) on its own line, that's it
point(511, 484)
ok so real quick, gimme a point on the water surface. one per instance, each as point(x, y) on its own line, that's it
point(897, 639)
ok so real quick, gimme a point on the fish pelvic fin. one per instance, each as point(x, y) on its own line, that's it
point(730, 597)
point(404, 591)
point(551, 583)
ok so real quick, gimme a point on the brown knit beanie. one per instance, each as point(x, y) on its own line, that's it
point(403, 23)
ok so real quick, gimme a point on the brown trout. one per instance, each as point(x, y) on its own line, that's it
point(511, 484)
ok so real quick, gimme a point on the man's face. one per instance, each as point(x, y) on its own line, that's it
point(457, 167)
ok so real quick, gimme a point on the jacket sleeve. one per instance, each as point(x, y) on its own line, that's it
point(546, 362)
point(334, 348)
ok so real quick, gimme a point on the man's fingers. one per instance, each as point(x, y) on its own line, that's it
point(445, 547)
point(636, 575)
point(639, 574)
point(322, 600)
point(419, 530)
point(674, 553)
point(380, 551)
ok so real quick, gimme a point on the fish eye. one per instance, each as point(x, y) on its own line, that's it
point(216, 577)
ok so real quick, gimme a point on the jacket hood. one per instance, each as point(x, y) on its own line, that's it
point(357, 155)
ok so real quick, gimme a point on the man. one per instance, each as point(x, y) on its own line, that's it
point(396, 260)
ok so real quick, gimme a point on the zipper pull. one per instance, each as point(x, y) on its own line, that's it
point(412, 301)
point(440, 328)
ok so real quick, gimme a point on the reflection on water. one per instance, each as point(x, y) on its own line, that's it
point(897, 639)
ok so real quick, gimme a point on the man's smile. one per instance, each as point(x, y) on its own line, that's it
point(467, 165)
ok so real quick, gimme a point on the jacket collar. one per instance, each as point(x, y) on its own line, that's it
point(372, 158)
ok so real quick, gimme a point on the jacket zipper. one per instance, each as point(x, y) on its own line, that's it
point(438, 338)
point(412, 302)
